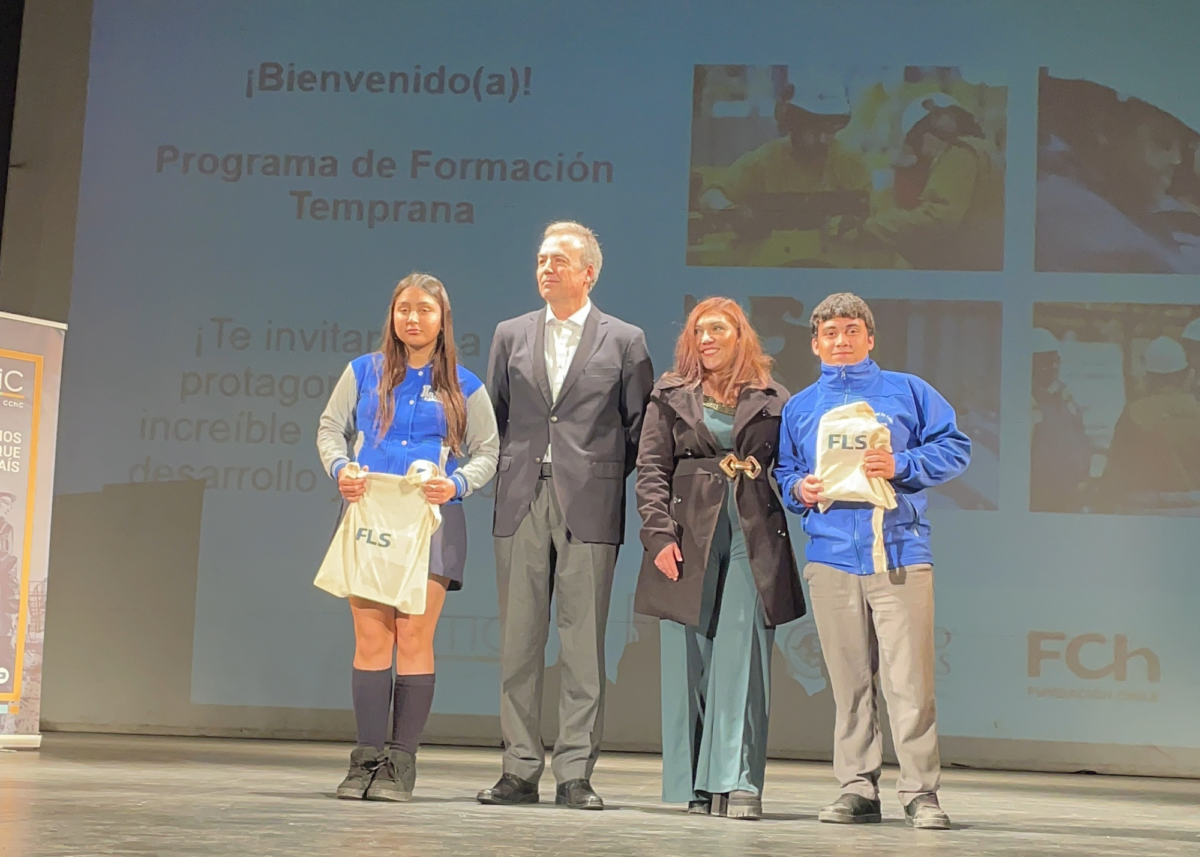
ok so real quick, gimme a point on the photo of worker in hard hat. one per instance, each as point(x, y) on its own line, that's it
point(885, 168)
point(957, 222)
point(1125, 370)
point(1118, 186)
point(1061, 458)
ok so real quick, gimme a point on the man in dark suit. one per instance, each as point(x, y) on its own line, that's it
point(570, 386)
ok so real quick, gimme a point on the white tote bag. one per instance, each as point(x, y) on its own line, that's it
point(380, 551)
point(843, 437)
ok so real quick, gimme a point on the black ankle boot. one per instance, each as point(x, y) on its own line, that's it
point(396, 777)
point(364, 765)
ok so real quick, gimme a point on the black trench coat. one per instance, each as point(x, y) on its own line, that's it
point(681, 489)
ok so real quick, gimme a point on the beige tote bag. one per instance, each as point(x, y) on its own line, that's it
point(843, 437)
point(380, 551)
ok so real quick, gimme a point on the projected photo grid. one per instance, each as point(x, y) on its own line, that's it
point(904, 168)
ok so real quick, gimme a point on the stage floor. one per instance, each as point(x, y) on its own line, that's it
point(92, 795)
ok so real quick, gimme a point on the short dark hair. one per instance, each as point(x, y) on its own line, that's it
point(842, 305)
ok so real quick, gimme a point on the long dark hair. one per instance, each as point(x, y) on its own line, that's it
point(444, 380)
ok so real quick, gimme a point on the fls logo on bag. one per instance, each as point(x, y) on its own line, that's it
point(845, 441)
point(370, 536)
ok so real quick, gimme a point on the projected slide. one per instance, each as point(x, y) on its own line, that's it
point(814, 168)
point(1118, 182)
point(1116, 421)
point(254, 184)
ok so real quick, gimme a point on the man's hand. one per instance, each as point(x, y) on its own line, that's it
point(809, 490)
point(352, 487)
point(879, 462)
point(440, 490)
point(668, 560)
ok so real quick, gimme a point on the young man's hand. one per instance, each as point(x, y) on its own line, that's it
point(879, 462)
point(809, 490)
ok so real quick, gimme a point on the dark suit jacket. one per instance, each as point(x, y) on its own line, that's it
point(681, 491)
point(594, 426)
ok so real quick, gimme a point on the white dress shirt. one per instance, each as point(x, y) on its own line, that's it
point(562, 340)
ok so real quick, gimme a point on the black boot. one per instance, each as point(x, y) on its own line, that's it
point(700, 806)
point(738, 804)
point(364, 763)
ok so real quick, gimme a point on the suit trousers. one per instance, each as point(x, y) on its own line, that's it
point(540, 561)
point(872, 626)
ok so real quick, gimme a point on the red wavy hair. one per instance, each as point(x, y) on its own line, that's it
point(751, 366)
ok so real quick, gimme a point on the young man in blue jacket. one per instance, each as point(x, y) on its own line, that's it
point(872, 623)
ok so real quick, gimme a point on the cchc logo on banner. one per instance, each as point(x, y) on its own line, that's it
point(1092, 657)
point(12, 386)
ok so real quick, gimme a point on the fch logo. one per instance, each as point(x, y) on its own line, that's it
point(370, 536)
point(1041, 648)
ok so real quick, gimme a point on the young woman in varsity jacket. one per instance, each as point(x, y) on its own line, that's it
point(392, 407)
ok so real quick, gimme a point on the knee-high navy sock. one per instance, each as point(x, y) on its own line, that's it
point(372, 698)
point(414, 699)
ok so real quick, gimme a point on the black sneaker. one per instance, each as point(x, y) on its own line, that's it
point(395, 778)
point(851, 809)
point(364, 762)
point(925, 813)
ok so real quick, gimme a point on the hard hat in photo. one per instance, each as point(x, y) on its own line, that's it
point(1164, 356)
point(921, 107)
point(823, 93)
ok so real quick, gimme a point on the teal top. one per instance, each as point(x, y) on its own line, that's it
point(721, 426)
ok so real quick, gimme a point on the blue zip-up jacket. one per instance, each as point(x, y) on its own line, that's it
point(347, 428)
point(927, 444)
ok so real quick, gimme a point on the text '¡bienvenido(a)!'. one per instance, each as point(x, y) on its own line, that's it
point(480, 83)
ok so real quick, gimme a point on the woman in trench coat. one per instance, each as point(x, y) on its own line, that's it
point(718, 568)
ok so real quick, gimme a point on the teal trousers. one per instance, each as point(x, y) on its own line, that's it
point(716, 682)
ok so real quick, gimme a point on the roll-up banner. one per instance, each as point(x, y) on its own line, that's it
point(30, 371)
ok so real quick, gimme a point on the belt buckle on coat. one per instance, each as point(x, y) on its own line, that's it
point(731, 466)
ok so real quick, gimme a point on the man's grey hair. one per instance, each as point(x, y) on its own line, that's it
point(587, 239)
point(842, 305)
